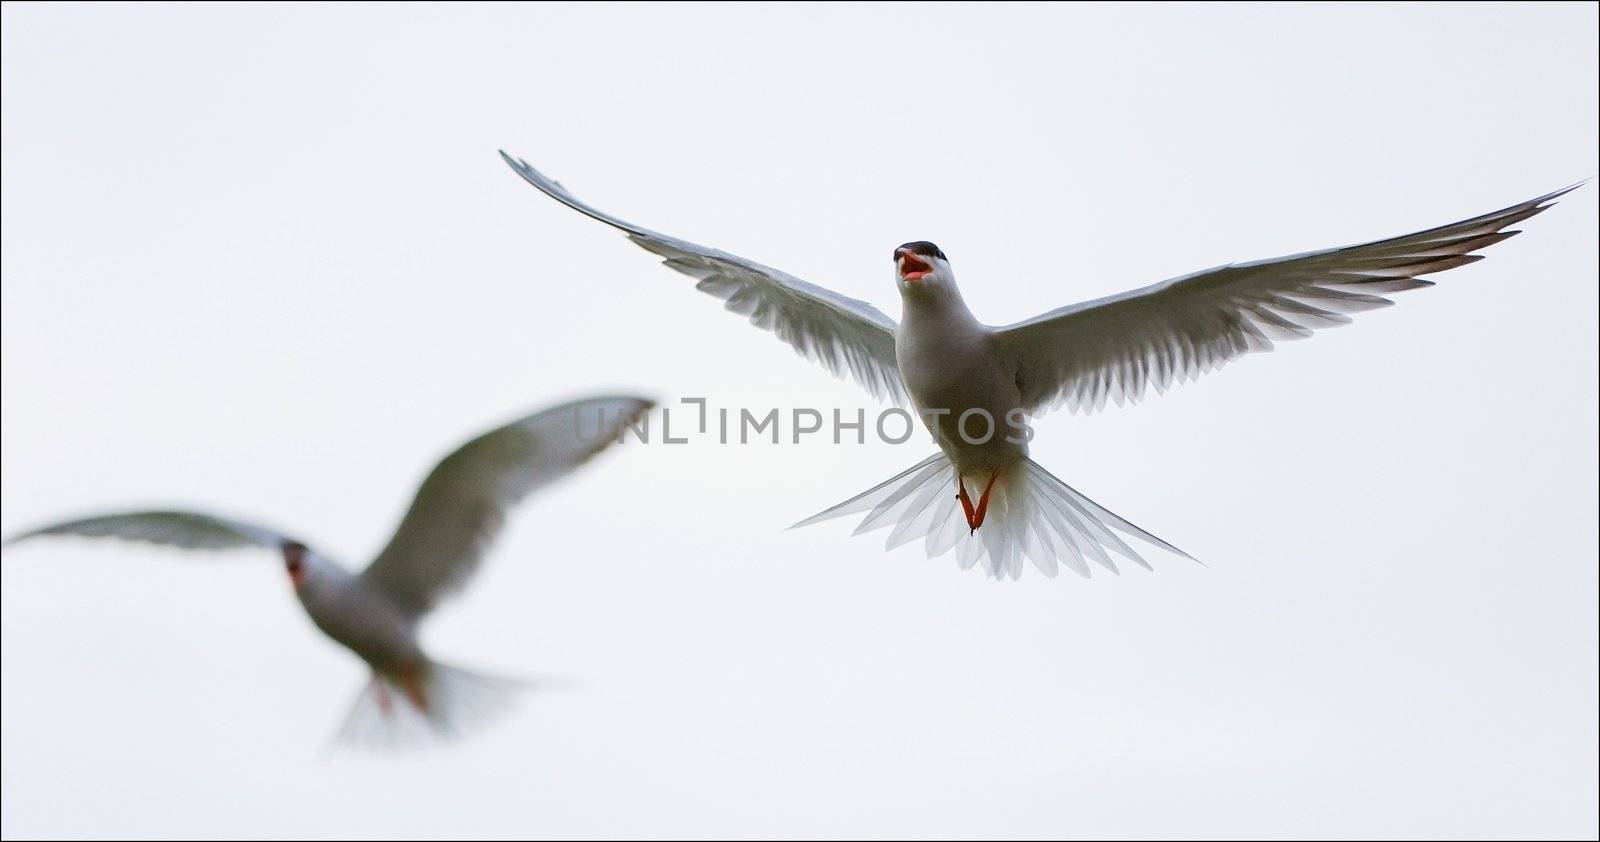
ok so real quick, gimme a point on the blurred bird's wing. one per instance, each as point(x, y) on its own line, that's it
point(845, 335)
point(462, 504)
point(1175, 330)
point(186, 530)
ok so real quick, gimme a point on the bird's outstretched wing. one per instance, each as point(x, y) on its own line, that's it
point(462, 504)
point(845, 335)
point(1175, 330)
point(186, 530)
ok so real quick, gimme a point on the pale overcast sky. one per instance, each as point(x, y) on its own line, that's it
point(265, 261)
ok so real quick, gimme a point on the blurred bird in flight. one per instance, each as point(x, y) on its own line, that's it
point(974, 385)
point(454, 519)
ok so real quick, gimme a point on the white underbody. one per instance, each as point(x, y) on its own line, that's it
point(948, 362)
point(364, 620)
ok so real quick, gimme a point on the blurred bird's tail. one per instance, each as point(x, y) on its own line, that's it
point(1029, 514)
point(428, 704)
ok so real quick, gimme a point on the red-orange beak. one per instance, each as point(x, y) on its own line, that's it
point(912, 266)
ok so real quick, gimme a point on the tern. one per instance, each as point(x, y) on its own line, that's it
point(453, 521)
point(974, 386)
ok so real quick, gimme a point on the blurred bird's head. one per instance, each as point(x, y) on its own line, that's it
point(921, 265)
point(300, 563)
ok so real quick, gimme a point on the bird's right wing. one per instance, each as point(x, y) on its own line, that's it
point(462, 505)
point(842, 333)
point(185, 530)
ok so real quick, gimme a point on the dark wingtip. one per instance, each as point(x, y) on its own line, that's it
point(514, 163)
point(23, 536)
point(644, 405)
point(1549, 199)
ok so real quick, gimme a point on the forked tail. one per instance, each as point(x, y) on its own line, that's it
point(433, 703)
point(1030, 514)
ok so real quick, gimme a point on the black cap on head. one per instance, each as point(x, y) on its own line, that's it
point(924, 248)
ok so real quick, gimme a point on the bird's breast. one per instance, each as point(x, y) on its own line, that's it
point(965, 396)
point(365, 622)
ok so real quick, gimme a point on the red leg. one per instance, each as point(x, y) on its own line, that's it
point(411, 682)
point(983, 503)
point(385, 705)
point(966, 502)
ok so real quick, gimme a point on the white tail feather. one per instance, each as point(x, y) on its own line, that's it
point(1031, 515)
point(455, 702)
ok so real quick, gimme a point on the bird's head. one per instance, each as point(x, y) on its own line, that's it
point(299, 562)
point(921, 264)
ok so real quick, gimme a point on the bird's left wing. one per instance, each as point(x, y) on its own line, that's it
point(1173, 331)
point(185, 530)
point(462, 504)
point(842, 333)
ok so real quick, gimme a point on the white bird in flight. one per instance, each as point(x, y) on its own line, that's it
point(453, 521)
point(974, 385)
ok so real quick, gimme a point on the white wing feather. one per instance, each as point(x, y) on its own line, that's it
point(1175, 330)
point(843, 334)
point(462, 504)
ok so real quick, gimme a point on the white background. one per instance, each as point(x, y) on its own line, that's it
point(265, 261)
